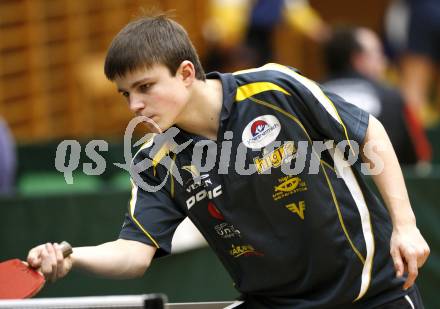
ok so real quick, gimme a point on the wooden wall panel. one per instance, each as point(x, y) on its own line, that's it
point(51, 56)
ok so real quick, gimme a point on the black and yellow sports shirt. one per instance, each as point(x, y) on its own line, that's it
point(311, 237)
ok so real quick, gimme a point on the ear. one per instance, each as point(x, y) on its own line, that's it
point(186, 72)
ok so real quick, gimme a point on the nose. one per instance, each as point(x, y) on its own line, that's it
point(136, 103)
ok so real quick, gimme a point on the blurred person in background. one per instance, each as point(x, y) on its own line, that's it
point(413, 29)
point(240, 33)
point(356, 65)
point(7, 160)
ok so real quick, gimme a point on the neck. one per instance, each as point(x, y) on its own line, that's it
point(202, 113)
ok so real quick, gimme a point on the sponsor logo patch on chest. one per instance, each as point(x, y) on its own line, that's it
point(201, 195)
point(275, 158)
point(226, 230)
point(261, 131)
point(244, 250)
point(287, 186)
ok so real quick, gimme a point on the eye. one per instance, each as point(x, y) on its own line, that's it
point(144, 87)
point(125, 94)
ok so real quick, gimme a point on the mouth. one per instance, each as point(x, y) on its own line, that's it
point(149, 117)
point(152, 124)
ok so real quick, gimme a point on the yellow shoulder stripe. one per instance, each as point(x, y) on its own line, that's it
point(163, 151)
point(248, 90)
point(323, 99)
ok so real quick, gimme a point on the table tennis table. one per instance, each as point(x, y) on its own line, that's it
point(146, 301)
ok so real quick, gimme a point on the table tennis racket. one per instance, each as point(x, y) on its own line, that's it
point(18, 280)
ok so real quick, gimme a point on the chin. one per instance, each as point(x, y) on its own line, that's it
point(153, 127)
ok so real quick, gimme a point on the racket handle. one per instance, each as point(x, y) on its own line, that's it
point(66, 248)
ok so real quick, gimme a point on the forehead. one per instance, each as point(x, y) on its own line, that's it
point(143, 73)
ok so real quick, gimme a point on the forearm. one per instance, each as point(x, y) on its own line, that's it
point(408, 249)
point(390, 180)
point(118, 259)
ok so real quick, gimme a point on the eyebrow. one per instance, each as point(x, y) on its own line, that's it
point(136, 83)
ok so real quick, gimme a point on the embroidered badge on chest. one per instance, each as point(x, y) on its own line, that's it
point(261, 131)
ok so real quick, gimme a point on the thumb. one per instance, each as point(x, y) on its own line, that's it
point(34, 262)
point(398, 262)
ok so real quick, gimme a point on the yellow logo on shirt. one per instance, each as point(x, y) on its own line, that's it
point(297, 208)
point(244, 250)
point(287, 186)
point(275, 158)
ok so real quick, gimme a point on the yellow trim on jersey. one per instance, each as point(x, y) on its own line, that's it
point(192, 169)
point(316, 91)
point(132, 204)
point(309, 84)
point(145, 145)
point(248, 90)
point(341, 220)
point(172, 178)
point(368, 261)
point(328, 165)
point(163, 151)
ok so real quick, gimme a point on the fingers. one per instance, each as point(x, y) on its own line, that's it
point(413, 271)
point(409, 251)
point(49, 262)
point(34, 256)
point(423, 255)
point(60, 261)
point(398, 262)
point(415, 259)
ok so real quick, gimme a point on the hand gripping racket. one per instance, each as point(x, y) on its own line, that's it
point(18, 280)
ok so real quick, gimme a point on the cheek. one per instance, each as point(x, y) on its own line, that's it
point(171, 98)
point(177, 97)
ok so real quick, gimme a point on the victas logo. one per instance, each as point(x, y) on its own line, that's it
point(201, 185)
point(261, 131)
point(297, 208)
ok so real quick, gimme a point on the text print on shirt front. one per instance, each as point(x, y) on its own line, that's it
point(201, 195)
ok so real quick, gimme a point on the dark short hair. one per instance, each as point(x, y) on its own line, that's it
point(339, 49)
point(148, 41)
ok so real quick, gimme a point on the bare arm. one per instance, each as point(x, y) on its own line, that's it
point(408, 248)
point(117, 259)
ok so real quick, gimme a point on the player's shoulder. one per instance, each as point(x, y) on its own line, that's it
point(274, 78)
point(153, 149)
point(146, 145)
point(271, 72)
point(269, 78)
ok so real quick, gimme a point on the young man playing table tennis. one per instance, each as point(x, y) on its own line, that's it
point(305, 239)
